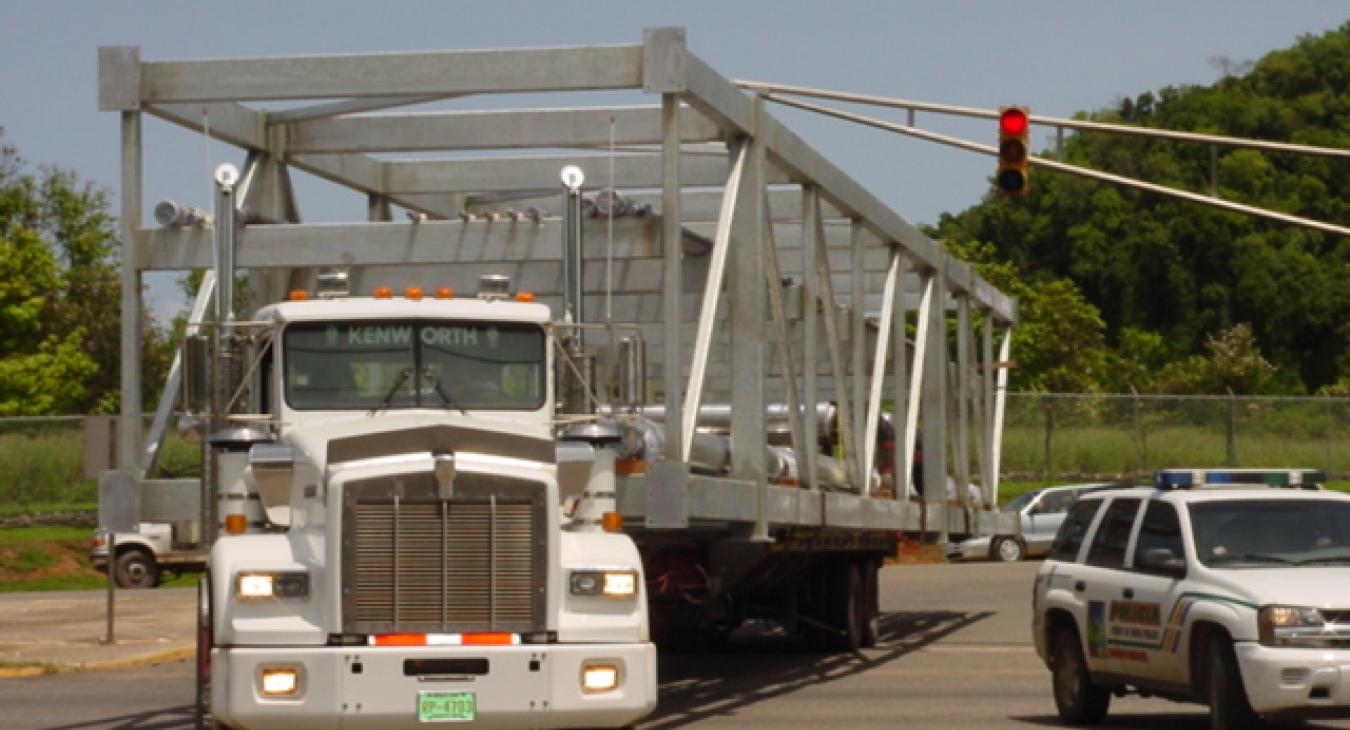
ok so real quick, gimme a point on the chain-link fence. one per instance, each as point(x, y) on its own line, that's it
point(1094, 436)
point(1046, 436)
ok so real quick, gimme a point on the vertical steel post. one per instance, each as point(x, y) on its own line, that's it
point(810, 338)
point(129, 425)
point(747, 300)
point(904, 451)
point(963, 399)
point(934, 394)
point(858, 356)
point(672, 276)
point(1000, 401)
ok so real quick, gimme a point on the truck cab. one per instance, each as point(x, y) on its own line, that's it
point(394, 551)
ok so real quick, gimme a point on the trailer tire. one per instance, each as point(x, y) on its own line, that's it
point(870, 603)
point(135, 568)
point(846, 607)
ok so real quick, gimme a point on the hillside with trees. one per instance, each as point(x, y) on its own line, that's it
point(1122, 288)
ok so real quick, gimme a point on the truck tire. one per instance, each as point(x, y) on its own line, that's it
point(1079, 701)
point(1228, 705)
point(1007, 550)
point(870, 604)
point(135, 568)
point(846, 607)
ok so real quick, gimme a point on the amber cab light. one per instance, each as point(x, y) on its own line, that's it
point(445, 292)
point(525, 296)
point(383, 292)
point(299, 295)
point(236, 524)
point(413, 292)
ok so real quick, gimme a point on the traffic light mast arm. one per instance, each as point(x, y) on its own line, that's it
point(1063, 167)
point(775, 90)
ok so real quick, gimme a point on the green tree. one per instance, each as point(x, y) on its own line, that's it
point(59, 295)
point(1183, 272)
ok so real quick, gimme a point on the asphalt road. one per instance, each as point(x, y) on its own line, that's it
point(955, 653)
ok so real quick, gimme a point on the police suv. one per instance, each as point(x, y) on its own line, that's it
point(1226, 587)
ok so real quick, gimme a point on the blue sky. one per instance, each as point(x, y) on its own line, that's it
point(1056, 57)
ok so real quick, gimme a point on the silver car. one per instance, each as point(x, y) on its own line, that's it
point(1042, 512)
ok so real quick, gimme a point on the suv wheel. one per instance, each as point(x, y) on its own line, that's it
point(1007, 550)
point(1228, 705)
point(1079, 701)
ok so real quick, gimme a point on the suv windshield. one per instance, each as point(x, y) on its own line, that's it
point(414, 364)
point(1270, 532)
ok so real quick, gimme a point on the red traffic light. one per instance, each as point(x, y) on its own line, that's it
point(1014, 163)
point(1013, 121)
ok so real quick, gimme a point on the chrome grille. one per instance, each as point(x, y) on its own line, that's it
point(417, 563)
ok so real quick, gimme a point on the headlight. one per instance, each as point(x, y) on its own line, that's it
point(279, 681)
point(599, 677)
point(613, 583)
point(1290, 626)
point(259, 585)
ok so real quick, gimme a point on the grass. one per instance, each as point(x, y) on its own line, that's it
point(44, 534)
point(41, 508)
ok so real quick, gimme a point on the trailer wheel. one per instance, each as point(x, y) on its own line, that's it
point(846, 607)
point(135, 568)
point(870, 603)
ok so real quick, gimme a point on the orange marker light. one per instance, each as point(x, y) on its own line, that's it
point(525, 296)
point(236, 524)
point(299, 295)
point(612, 521)
point(626, 467)
point(383, 292)
point(413, 292)
point(445, 292)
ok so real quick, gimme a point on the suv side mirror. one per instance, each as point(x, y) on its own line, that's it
point(1163, 561)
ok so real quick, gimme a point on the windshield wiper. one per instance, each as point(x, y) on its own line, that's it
point(1336, 560)
point(1247, 558)
point(402, 378)
point(436, 384)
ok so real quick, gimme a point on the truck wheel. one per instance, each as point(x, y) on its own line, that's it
point(135, 569)
point(870, 603)
point(845, 603)
point(1079, 701)
point(1228, 705)
point(1007, 550)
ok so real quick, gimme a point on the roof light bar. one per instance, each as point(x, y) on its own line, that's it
point(1188, 478)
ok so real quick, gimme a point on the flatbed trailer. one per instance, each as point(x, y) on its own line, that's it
point(710, 256)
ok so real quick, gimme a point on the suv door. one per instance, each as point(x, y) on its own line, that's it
point(1108, 603)
point(1066, 580)
point(1158, 626)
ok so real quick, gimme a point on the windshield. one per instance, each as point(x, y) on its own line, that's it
point(1270, 532)
point(1020, 501)
point(414, 364)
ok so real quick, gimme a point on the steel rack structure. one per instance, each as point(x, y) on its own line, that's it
point(758, 271)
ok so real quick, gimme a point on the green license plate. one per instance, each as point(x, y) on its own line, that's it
point(446, 707)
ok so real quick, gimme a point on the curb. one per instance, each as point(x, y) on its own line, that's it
point(169, 655)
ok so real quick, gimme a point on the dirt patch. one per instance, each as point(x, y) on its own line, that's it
point(38, 560)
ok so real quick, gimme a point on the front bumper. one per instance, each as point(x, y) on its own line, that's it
point(976, 548)
point(526, 686)
point(1295, 682)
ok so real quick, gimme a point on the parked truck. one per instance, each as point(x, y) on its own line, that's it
point(436, 486)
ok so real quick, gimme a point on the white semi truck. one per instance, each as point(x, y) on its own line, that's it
point(436, 487)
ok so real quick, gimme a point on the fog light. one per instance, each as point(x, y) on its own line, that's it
point(620, 584)
point(280, 682)
point(599, 677)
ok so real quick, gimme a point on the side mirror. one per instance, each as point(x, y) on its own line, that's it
point(1162, 561)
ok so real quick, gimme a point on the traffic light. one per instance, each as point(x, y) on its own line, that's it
point(1014, 127)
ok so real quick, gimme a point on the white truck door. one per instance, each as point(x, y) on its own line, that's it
point(1111, 645)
